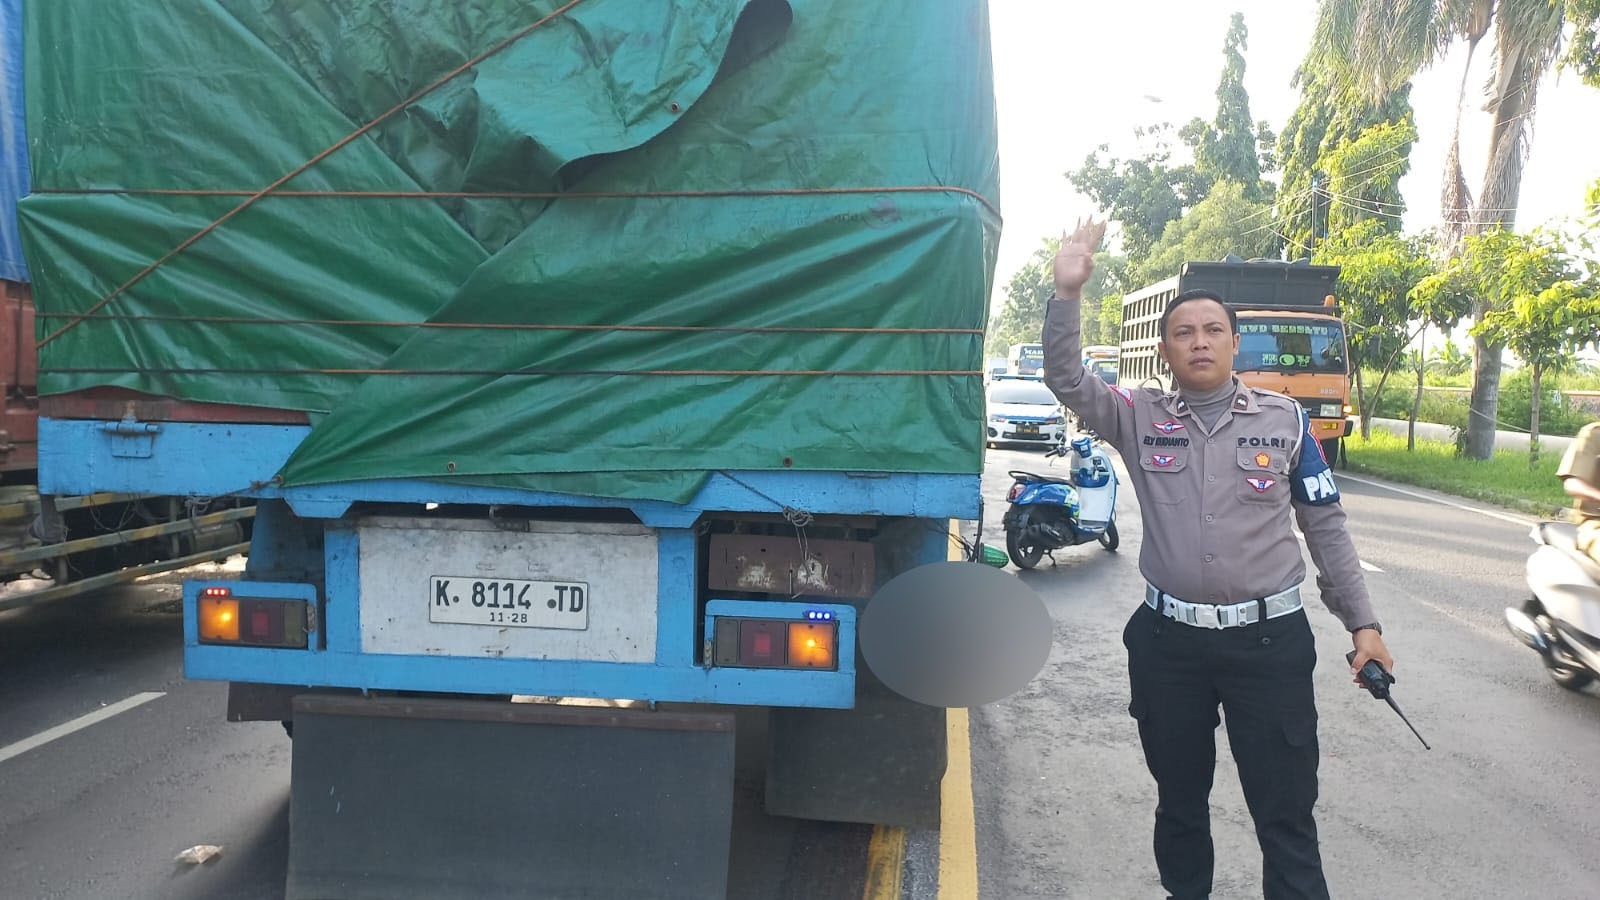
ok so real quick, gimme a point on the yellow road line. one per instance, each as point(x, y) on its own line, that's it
point(958, 841)
point(886, 856)
point(958, 833)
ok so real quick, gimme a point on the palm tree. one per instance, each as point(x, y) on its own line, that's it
point(1374, 46)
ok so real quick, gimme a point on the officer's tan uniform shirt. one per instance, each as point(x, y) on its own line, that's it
point(1216, 504)
point(1583, 461)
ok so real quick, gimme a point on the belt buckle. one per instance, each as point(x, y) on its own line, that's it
point(1206, 617)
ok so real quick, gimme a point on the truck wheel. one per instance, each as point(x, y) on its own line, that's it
point(1109, 538)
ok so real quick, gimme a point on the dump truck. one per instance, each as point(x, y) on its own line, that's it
point(1291, 337)
point(589, 349)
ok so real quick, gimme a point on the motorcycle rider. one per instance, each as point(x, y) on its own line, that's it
point(1580, 474)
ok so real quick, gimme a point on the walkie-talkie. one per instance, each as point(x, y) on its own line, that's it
point(1376, 679)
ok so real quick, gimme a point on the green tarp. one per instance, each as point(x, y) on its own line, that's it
point(820, 225)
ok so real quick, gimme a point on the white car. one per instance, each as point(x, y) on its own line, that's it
point(1023, 411)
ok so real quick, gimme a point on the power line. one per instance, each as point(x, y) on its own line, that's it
point(1361, 203)
point(1398, 160)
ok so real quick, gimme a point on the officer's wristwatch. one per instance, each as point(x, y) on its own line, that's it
point(1372, 625)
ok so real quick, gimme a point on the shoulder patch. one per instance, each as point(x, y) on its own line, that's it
point(1124, 393)
point(1312, 480)
point(1275, 399)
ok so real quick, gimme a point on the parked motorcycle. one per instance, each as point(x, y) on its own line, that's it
point(1048, 513)
point(1561, 621)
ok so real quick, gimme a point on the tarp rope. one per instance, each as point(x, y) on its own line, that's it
point(299, 170)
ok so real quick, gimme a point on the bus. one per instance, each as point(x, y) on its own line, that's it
point(1026, 360)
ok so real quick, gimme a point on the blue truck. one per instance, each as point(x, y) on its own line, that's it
point(566, 351)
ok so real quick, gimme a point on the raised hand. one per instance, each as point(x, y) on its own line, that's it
point(1075, 259)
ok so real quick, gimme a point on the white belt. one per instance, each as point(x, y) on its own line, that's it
point(1208, 615)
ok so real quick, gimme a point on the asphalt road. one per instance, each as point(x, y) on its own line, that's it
point(103, 811)
point(1500, 808)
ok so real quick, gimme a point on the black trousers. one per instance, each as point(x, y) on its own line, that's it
point(1260, 675)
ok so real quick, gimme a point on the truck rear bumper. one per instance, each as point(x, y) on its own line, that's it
point(333, 658)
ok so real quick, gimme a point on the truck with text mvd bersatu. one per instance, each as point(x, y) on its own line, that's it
point(1291, 337)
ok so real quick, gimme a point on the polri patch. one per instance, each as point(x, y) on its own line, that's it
point(1262, 485)
point(1124, 393)
point(1263, 460)
point(1162, 461)
point(1168, 427)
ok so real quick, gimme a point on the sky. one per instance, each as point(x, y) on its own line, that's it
point(1070, 76)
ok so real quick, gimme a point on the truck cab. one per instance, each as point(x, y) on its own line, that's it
point(1291, 337)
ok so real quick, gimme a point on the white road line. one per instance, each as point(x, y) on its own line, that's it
point(78, 724)
point(1482, 512)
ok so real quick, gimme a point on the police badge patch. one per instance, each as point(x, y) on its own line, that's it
point(1167, 427)
point(1262, 485)
point(1162, 461)
point(1124, 393)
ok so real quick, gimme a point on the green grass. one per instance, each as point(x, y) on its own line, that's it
point(1505, 480)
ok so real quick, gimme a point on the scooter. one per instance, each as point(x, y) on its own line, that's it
point(1048, 513)
point(1561, 621)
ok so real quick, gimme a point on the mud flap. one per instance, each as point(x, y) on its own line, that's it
point(881, 763)
point(431, 798)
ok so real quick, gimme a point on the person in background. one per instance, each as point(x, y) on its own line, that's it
point(1580, 476)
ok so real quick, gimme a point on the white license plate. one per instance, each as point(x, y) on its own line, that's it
point(508, 602)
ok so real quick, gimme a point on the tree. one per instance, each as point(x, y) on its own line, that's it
point(1224, 222)
point(1142, 195)
point(1146, 194)
point(1583, 53)
point(1021, 318)
point(1545, 309)
point(1228, 149)
point(1325, 121)
point(1450, 360)
point(1378, 272)
point(1374, 46)
point(1111, 319)
point(1363, 176)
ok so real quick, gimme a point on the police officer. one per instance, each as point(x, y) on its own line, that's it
point(1220, 469)
point(1580, 476)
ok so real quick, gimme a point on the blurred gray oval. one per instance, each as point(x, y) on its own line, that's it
point(955, 634)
